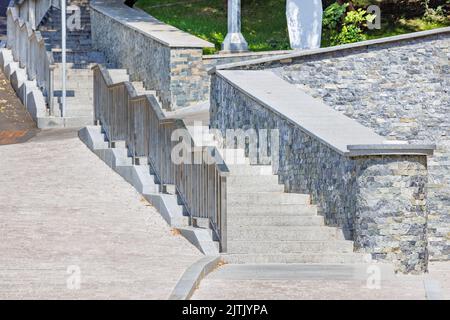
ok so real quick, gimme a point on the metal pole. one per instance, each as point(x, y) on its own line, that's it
point(63, 54)
point(234, 41)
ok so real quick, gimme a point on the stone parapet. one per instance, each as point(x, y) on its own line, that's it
point(398, 87)
point(166, 59)
point(375, 192)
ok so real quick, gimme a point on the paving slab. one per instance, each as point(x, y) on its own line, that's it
point(322, 282)
point(71, 228)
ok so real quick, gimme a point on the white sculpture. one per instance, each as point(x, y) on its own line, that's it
point(234, 41)
point(304, 19)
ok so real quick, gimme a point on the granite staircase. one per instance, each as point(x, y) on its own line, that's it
point(265, 224)
point(80, 57)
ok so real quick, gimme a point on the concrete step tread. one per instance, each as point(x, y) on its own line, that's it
point(289, 246)
point(288, 228)
point(319, 257)
point(273, 198)
point(258, 210)
point(276, 220)
point(282, 233)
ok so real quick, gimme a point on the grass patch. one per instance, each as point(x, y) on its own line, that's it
point(391, 26)
point(263, 22)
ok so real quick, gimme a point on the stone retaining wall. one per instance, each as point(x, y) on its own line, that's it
point(176, 74)
point(379, 201)
point(164, 58)
point(402, 92)
point(397, 86)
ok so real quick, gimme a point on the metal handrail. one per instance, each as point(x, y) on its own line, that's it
point(140, 121)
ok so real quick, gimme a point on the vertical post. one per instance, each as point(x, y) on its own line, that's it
point(234, 41)
point(223, 213)
point(32, 14)
point(50, 88)
point(63, 54)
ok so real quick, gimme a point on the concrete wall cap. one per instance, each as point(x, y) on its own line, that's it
point(344, 135)
point(391, 149)
point(147, 25)
point(303, 53)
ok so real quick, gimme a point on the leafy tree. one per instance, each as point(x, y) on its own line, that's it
point(342, 26)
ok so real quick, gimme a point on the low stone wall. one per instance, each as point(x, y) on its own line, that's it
point(166, 59)
point(379, 201)
point(401, 92)
point(397, 86)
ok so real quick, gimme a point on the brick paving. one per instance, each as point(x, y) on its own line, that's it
point(64, 213)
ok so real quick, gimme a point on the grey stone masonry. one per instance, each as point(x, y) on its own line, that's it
point(397, 86)
point(378, 199)
point(402, 93)
point(166, 59)
point(390, 218)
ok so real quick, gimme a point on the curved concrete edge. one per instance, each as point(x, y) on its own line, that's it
point(202, 239)
point(192, 277)
point(144, 183)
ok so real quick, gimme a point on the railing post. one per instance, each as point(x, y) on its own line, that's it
point(50, 90)
point(223, 214)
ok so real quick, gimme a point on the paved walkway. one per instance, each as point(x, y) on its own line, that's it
point(63, 212)
point(320, 282)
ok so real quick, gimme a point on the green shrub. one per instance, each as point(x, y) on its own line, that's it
point(434, 15)
point(343, 27)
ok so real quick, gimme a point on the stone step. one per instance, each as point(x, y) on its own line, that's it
point(283, 247)
point(249, 170)
point(55, 35)
point(79, 59)
point(73, 73)
point(74, 112)
point(79, 66)
point(260, 210)
point(78, 100)
point(74, 109)
point(79, 113)
point(275, 220)
point(328, 258)
point(118, 71)
point(138, 84)
point(230, 156)
point(59, 122)
point(85, 95)
point(120, 78)
point(75, 84)
point(253, 184)
point(251, 180)
point(283, 233)
point(255, 187)
point(268, 198)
